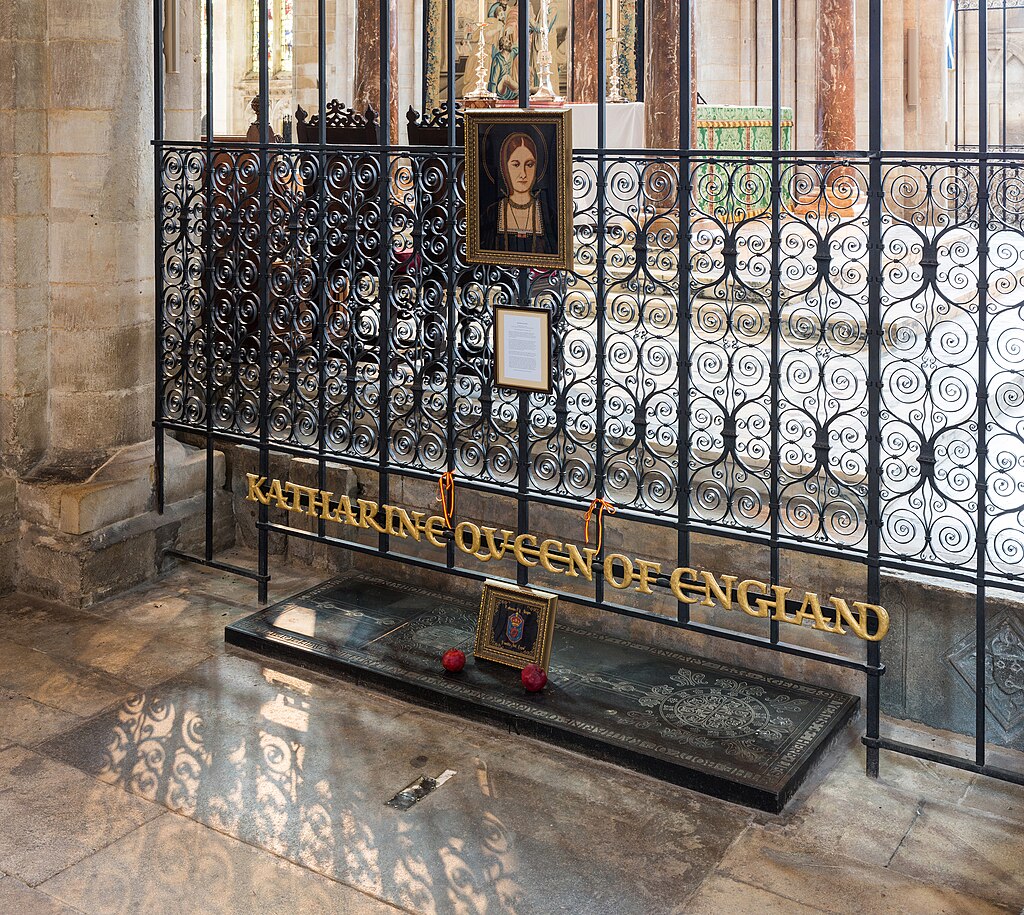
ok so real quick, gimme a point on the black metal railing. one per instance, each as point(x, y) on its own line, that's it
point(805, 351)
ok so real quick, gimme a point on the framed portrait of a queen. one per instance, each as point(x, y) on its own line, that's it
point(518, 188)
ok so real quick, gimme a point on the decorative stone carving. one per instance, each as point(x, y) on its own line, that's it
point(1004, 669)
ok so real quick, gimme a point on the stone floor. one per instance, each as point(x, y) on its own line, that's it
point(144, 767)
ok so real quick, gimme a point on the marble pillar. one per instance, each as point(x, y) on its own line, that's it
point(367, 79)
point(585, 78)
point(836, 76)
point(661, 75)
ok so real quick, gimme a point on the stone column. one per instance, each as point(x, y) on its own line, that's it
point(24, 179)
point(367, 78)
point(661, 76)
point(836, 77)
point(77, 303)
point(930, 117)
point(585, 78)
point(24, 243)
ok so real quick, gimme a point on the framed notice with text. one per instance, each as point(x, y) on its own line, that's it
point(519, 188)
point(522, 349)
point(515, 625)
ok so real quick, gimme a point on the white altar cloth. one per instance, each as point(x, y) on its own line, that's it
point(624, 128)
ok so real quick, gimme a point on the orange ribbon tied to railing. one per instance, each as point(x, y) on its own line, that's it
point(601, 506)
point(446, 496)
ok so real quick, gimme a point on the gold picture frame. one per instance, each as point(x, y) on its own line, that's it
point(519, 188)
point(522, 349)
point(515, 626)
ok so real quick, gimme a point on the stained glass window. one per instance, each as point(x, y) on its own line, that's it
point(279, 39)
point(287, 36)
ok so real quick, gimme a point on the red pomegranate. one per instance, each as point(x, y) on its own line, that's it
point(453, 660)
point(534, 678)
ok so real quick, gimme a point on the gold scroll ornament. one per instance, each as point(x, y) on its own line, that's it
point(755, 598)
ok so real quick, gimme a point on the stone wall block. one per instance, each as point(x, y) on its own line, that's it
point(78, 182)
point(23, 361)
point(29, 79)
point(88, 307)
point(190, 535)
point(82, 252)
point(23, 430)
point(30, 250)
point(31, 176)
point(29, 132)
point(100, 360)
point(85, 19)
point(23, 19)
point(7, 75)
point(7, 192)
point(85, 74)
point(101, 421)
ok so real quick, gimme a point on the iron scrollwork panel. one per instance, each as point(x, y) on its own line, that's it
point(185, 311)
point(823, 346)
point(1005, 382)
point(730, 373)
point(930, 276)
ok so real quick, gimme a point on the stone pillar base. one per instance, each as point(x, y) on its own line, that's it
point(86, 536)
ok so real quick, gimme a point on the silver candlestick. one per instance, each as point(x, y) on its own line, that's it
point(615, 77)
point(544, 92)
point(480, 90)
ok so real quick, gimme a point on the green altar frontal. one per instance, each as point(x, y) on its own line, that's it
point(731, 189)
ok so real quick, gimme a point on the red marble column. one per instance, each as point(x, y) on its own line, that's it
point(585, 82)
point(836, 90)
point(661, 74)
point(367, 75)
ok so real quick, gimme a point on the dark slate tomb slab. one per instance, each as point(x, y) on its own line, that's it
point(734, 733)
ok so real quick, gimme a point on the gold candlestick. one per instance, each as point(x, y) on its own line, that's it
point(480, 90)
point(544, 92)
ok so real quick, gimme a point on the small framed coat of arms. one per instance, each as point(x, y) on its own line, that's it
point(515, 625)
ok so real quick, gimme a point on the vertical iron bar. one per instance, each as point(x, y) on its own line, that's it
point(686, 115)
point(775, 305)
point(600, 300)
point(523, 419)
point(208, 281)
point(452, 240)
point(1002, 108)
point(384, 287)
point(981, 650)
point(158, 265)
point(956, 74)
point(263, 278)
point(321, 263)
point(874, 380)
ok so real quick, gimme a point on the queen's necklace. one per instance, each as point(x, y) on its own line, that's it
point(515, 223)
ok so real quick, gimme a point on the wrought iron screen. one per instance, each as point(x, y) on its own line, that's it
point(819, 353)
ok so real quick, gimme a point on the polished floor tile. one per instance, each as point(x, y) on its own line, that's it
point(55, 815)
point(16, 897)
point(57, 682)
point(138, 655)
point(276, 780)
point(173, 866)
point(831, 880)
point(26, 722)
point(972, 852)
point(301, 766)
